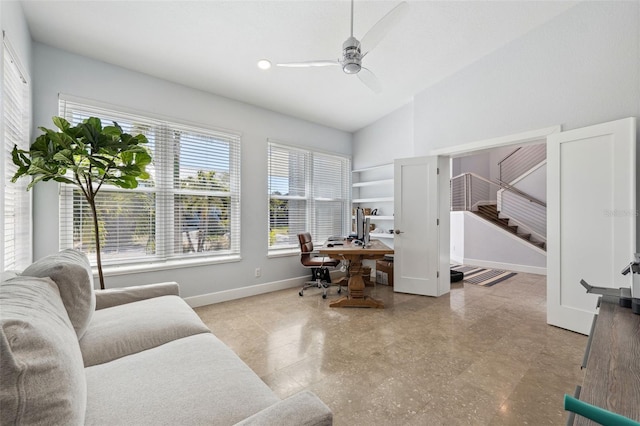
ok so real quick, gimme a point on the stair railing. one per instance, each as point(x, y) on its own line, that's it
point(520, 161)
point(469, 191)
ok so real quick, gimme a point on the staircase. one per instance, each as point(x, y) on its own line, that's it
point(490, 212)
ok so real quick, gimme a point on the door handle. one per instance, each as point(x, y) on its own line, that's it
point(398, 232)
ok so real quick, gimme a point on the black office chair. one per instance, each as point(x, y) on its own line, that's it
point(319, 266)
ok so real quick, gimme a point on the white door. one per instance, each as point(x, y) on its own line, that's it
point(591, 204)
point(421, 261)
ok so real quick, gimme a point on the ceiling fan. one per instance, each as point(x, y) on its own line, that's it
point(353, 50)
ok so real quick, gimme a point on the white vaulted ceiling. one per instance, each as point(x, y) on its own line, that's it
point(214, 46)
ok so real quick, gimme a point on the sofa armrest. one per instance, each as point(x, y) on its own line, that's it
point(303, 408)
point(120, 296)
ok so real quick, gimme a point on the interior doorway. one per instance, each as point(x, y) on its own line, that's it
point(591, 212)
point(421, 184)
point(484, 146)
point(498, 208)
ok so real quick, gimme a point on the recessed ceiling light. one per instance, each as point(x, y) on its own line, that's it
point(264, 64)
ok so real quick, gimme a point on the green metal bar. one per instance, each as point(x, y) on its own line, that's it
point(597, 414)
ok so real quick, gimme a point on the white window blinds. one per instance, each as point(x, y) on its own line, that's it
point(308, 192)
point(190, 206)
point(16, 201)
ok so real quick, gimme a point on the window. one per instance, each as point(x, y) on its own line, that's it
point(308, 191)
point(16, 201)
point(189, 208)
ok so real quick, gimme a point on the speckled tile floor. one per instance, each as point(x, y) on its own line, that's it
point(477, 356)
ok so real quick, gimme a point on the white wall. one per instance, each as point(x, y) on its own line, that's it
point(456, 244)
point(57, 71)
point(535, 183)
point(476, 242)
point(579, 69)
point(15, 26)
point(484, 163)
point(385, 140)
point(479, 164)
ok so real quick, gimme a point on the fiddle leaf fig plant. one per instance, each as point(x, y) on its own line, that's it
point(87, 156)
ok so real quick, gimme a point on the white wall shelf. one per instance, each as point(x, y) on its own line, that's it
point(379, 217)
point(374, 200)
point(373, 183)
point(372, 168)
point(373, 188)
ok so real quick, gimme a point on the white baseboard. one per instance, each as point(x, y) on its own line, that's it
point(252, 290)
point(508, 266)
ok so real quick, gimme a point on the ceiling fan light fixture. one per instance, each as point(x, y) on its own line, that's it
point(264, 64)
point(351, 56)
point(351, 67)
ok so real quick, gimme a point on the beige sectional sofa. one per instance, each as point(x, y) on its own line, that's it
point(71, 355)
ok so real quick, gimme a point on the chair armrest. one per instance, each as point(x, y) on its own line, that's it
point(303, 408)
point(120, 296)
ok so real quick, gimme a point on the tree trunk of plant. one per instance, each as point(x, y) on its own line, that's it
point(94, 212)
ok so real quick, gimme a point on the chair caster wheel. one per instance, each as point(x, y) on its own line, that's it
point(300, 293)
point(324, 296)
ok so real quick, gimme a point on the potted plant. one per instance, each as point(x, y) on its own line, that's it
point(88, 156)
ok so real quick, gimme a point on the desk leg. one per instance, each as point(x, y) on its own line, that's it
point(356, 297)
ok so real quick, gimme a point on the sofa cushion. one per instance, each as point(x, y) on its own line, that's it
point(133, 327)
point(303, 408)
point(71, 271)
point(194, 380)
point(42, 379)
point(119, 296)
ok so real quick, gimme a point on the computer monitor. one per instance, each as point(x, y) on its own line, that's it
point(362, 226)
point(360, 220)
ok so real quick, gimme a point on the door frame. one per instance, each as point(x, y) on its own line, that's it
point(513, 139)
point(469, 148)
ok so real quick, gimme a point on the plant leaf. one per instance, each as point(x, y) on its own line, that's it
point(61, 123)
point(64, 156)
point(112, 131)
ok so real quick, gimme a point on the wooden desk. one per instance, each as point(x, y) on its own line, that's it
point(612, 376)
point(355, 254)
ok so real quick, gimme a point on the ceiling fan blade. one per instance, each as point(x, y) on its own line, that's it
point(382, 27)
point(306, 64)
point(370, 80)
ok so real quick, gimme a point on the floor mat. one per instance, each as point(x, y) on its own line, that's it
point(483, 276)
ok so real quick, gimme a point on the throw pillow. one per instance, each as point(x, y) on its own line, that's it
point(42, 379)
point(71, 271)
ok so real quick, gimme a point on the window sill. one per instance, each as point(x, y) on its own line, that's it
point(284, 253)
point(163, 266)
